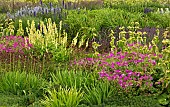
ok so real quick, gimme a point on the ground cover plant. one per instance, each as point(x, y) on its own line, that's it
point(85, 53)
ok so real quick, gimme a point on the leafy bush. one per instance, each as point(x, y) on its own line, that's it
point(135, 101)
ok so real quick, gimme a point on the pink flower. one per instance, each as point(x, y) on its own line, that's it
point(151, 84)
point(111, 54)
point(130, 83)
point(118, 63)
point(89, 59)
point(112, 65)
point(109, 78)
point(15, 44)
point(117, 71)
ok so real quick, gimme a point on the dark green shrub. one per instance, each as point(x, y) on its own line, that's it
point(133, 101)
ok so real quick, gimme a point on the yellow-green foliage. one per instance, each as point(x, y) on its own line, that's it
point(7, 29)
point(64, 97)
point(48, 35)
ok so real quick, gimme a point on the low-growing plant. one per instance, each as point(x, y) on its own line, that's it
point(69, 78)
point(20, 83)
point(98, 93)
point(63, 97)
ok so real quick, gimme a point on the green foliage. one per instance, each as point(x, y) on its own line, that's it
point(64, 97)
point(82, 87)
point(135, 101)
point(20, 83)
point(136, 5)
point(164, 66)
point(7, 28)
point(9, 100)
point(70, 78)
point(23, 22)
point(49, 39)
point(110, 18)
point(97, 93)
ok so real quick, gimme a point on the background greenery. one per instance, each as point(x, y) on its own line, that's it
point(59, 67)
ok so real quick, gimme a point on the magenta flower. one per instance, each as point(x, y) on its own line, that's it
point(130, 84)
point(112, 65)
point(151, 84)
point(125, 78)
point(109, 78)
point(117, 71)
point(118, 63)
point(89, 59)
point(111, 54)
point(15, 44)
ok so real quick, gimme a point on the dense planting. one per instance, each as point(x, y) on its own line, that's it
point(64, 53)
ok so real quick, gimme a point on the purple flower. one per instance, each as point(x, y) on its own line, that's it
point(99, 55)
point(137, 61)
point(50, 5)
point(145, 77)
point(151, 78)
point(146, 83)
point(153, 62)
point(125, 63)
point(128, 71)
point(151, 84)
point(150, 47)
point(112, 65)
point(118, 63)
point(130, 74)
point(15, 44)
point(122, 75)
point(40, 2)
point(111, 54)
point(141, 78)
point(126, 78)
point(121, 57)
point(109, 78)
point(114, 77)
point(138, 74)
point(35, 13)
point(30, 45)
point(103, 74)
point(89, 59)
point(117, 71)
point(160, 55)
point(130, 83)
point(130, 45)
point(158, 82)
